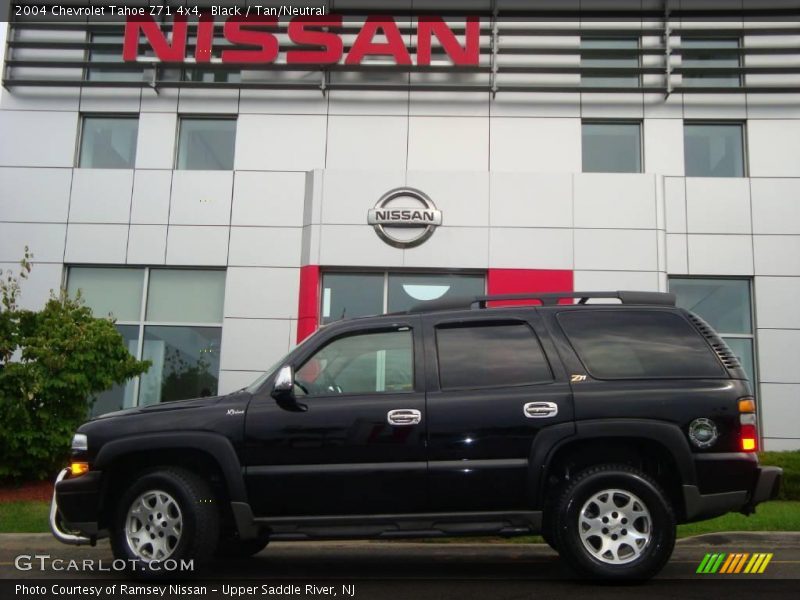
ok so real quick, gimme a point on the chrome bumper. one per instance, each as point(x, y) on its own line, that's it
point(56, 526)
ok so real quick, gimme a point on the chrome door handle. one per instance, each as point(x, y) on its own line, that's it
point(540, 410)
point(404, 416)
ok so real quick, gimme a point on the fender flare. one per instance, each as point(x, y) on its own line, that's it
point(550, 440)
point(217, 446)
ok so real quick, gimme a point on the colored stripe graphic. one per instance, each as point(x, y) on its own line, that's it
point(701, 567)
point(754, 562)
point(765, 563)
point(727, 564)
point(740, 564)
point(734, 563)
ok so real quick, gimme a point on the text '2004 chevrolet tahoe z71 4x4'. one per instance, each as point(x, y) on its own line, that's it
point(600, 426)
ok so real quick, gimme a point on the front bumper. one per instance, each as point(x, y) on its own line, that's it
point(75, 507)
point(706, 506)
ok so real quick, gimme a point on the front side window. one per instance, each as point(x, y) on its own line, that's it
point(108, 142)
point(610, 53)
point(347, 295)
point(714, 149)
point(726, 305)
point(638, 344)
point(371, 363)
point(710, 53)
point(490, 355)
point(206, 144)
point(612, 148)
point(172, 317)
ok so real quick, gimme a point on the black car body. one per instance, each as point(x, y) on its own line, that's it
point(481, 419)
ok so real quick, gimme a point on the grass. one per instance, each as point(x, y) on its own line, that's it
point(24, 517)
point(790, 463)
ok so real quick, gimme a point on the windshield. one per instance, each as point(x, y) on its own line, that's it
point(253, 387)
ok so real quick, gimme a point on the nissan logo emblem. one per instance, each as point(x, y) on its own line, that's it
point(404, 217)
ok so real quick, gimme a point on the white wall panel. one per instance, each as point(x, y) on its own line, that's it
point(779, 355)
point(89, 243)
point(201, 198)
point(155, 146)
point(622, 200)
point(262, 293)
point(463, 198)
point(147, 244)
point(675, 204)
point(349, 245)
point(230, 381)
point(253, 344)
point(35, 290)
point(265, 246)
point(774, 147)
point(359, 142)
point(776, 205)
point(151, 192)
point(448, 144)
point(37, 138)
point(524, 248)
point(280, 142)
point(348, 195)
point(718, 205)
point(616, 249)
point(777, 301)
point(778, 405)
point(283, 102)
point(268, 198)
point(193, 245)
point(101, 196)
point(677, 254)
point(720, 255)
point(36, 195)
point(777, 254)
point(663, 146)
point(98, 100)
point(531, 200)
point(452, 247)
point(537, 145)
point(44, 240)
point(208, 101)
point(616, 280)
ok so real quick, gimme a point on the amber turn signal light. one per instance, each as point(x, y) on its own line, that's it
point(78, 468)
point(747, 405)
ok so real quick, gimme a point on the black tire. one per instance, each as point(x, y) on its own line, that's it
point(199, 521)
point(621, 560)
point(236, 548)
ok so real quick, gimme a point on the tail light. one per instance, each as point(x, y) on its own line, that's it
point(748, 429)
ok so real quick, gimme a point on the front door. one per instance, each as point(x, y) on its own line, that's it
point(494, 381)
point(359, 445)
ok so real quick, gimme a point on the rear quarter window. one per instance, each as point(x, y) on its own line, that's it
point(638, 344)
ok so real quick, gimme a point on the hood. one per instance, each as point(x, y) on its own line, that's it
point(164, 406)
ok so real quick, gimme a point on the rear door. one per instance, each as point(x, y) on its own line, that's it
point(494, 381)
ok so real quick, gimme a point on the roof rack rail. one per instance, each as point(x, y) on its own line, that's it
point(547, 299)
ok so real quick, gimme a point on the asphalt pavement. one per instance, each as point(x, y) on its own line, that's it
point(403, 570)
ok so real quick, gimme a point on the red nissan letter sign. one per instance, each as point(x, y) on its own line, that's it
point(469, 54)
point(239, 30)
point(364, 46)
point(305, 31)
point(158, 41)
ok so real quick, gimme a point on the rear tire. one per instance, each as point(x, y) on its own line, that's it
point(166, 514)
point(614, 522)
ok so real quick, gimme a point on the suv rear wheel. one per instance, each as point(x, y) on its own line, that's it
point(614, 522)
point(166, 514)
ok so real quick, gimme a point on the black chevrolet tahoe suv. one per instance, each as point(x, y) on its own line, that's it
point(599, 425)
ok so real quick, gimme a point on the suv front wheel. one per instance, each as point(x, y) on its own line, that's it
point(614, 522)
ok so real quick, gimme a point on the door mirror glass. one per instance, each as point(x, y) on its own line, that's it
point(284, 381)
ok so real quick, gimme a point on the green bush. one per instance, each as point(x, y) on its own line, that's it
point(790, 463)
point(51, 362)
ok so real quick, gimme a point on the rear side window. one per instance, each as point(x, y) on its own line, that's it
point(638, 344)
point(490, 355)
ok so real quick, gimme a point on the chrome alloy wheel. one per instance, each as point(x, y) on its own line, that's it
point(153, 526)
point(615, 526)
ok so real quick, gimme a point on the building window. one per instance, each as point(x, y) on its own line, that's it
point(612, 147)
point(726, 305)
point(714, 149)
point(206, 144)
point(108, 142)
point(610, 53)
point(109, 51)
point(346, 295)
point(490, 355)
point(710, 53)
point(172, 317)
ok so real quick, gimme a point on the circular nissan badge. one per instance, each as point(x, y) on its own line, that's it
point(404, 217)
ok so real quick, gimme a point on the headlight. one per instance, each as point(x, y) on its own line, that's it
point(80, 443)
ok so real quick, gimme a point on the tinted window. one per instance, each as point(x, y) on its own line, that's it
point(711, 53)
point(360, 364)
point(611, 148)
point(638, 344)
point(713, 150)
point(607, 57)
point(108, 142)
point(206, 144)
point(490, 355)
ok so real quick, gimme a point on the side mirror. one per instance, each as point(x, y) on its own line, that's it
point(283, 390)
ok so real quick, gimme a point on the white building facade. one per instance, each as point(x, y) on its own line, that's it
point(221, 215)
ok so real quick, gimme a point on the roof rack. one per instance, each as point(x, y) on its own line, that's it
point(547, 299)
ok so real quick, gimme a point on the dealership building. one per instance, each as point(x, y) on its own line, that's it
point(223, 191)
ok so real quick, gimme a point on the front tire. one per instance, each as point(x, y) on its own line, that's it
point(166, 514)
point(614, 522)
